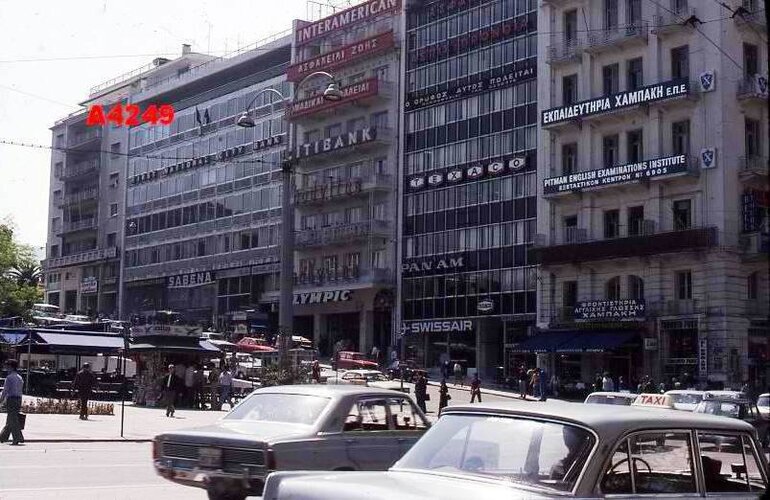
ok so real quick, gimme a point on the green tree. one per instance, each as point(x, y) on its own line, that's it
point(19, 276)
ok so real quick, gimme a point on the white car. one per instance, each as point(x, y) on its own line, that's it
point(685, 400)
point(369, 378)
point(611, 398)
point(763, 403)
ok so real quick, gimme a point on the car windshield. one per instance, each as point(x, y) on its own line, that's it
point(531, 452)
point(686, 398)
point(763, 401)
point(289, 408)
point(357, 356)
point(376, 377)
point(721, 408)
point(609, 400)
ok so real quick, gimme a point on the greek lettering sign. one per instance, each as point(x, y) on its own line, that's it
point(190, 280)
point(344, 19)
point(362, 136)
point(464, 325)
point(342, 56)
point(619, 174)
point(322, 297)
point(350, 93)
point(703, 355)
point(650, 93)
point(610, 310)
point(89, 285)
point(268, 142)
point(432, 266)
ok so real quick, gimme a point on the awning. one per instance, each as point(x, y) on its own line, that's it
point(543, 342)
point(74, 343)
point(596, 341)
point(12, 336)
point(223, 344)
point(174, 344)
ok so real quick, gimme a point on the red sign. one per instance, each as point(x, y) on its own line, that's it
point(342, 56)
point(344, 19)
point(317, 103)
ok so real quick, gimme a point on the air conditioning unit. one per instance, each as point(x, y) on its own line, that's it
point(648, 227)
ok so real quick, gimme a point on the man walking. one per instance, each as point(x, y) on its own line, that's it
point(189, 386)
point(523, 381)
point(226, 386)
point(84, 384)
point(11, 395)
point(170, 383)
point(421, 391)
point(458, 369)
point(475, 388)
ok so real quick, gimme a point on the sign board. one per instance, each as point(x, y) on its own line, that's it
point(655, 400)
point(309, 298)
point(341, 57)
point(189, 280)
point(610, 310)
point(358, 90)
point(650, 93)
point(268, 142)
point(344, 19)
point(89, 285)
point(362, 136)
point(619, 174)
point(436, 265)
point(166, 331)
point(485, 306)
point(703, 353)
point(464, 325)
point(650, 344)
point(469, 173)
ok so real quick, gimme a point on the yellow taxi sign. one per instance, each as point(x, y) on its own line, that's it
point(654, 400)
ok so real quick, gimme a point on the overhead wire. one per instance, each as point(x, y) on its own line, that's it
point(740, 12)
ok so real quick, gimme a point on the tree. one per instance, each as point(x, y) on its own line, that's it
point(19, 276)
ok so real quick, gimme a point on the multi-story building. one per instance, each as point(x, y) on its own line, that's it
point(653, 195)
point(87, 185)
point(346, 164)
point(203, 196)
point(467, 285)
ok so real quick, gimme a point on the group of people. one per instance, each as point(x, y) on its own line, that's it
point(534, 382)
point(186, 385)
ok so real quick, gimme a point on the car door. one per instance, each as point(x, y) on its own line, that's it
point(370, 441)
point(407, 421)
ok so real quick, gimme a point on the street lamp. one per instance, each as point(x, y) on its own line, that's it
point(286, 300)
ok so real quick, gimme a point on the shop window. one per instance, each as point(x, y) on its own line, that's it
point(635, 220)
point(569, 158)
point(752, 286)
point(682, 215)
point(635, 287)
point(684, 285)
point(612, 223)
point(680, 62)
point(612, 289)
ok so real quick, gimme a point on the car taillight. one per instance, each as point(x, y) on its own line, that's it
point(270, 462)
point(156, 448)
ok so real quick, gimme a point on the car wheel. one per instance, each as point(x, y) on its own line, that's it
point(226, 495)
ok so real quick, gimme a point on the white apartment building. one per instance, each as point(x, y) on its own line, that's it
point(653, 191)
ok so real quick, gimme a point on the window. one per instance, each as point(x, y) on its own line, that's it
point(569, 158)
point(113, 209)
point(569, 293)
point(610, 14)
point(58, 169)
point(610, 150)
point(569, 89)
point(570, 229)
point(684, 285)
point(635, 287)
point(114, 177)
point(115, 150)
point(356, 78)
point(612, 289)
point(680, 136)
point(752, 138)
point(333, 130)
point(405, 416)
point(54, 251)
point(659, 463)
point(635, 220)
point(635, 146)
point(367, 415)
point(634, 73)
point(682, 215)
point(352, 260)
point(612, 224)
point(750, 60)
point(380, 120)
point(680, 62)
point(730, 464)
point(634, 12)
point(378, 259)
point(679, 6)
point(610, 76)
point(112, 239)
point(382, 73)
point(752, 286)
point(312, 136)
point(570, 26)
point(353, 215)
point(380, 211)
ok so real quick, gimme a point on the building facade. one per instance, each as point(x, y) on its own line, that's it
point(468, 287)
point(345, 156)
point(203, 201)
point(652, 192)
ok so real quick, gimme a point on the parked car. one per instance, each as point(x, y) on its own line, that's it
point(610, 398)
point(741, 409)
point(727, 394)
point(350, 360)
point(685, 400)
point(371, 378)
point(763, 404)
point(554, 449)
point(293, 427)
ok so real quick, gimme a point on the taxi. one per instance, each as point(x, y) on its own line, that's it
point(610, 398)
point(763, 404)
point(686, 399)
point(555, 449)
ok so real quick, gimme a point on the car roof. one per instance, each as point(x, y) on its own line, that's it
point(765, 395)
point(724, 399)
point(619, 420)
point(327, 390)
point(614, 394)
point(685, 391)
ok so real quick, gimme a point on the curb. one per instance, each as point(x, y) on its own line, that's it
point(493, 392)
point(85, 440)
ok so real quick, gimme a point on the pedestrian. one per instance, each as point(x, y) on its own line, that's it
point(443, 395)
point(214, 388)
point(458, 370)
point(11, 395)
point(226, 387)
point(622, 384)
point(542, 378)
point(608, 385)
point(376, 355)
point(170, 386)
point(189, 386)
point(555, 385)
point(198, 379)
point(475, 388)
point(84, 384)
point(598, 382)
point(421, 391)
point(316, 372)
point(523, 381)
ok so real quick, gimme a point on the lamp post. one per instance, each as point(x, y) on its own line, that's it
point(286, 299)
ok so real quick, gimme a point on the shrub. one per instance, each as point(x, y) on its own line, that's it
point(66, 407)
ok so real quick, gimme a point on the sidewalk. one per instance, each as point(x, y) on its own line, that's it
point(503, 393)
point(141, 424)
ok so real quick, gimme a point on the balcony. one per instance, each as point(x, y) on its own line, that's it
point(322, 193)
point(752, 21)
point(78, 170)
point(754, 246)
point(81, 258)
point(90, 137)
point(564, 52)
point(87, 195)
point(620, 36)
point(678, 307)
point(341, 234)
point(753, 90)
point(668, 23)
point(344, 274)
point(757, 308)
point(753, 168)
point(578, 249)
point(80, 225)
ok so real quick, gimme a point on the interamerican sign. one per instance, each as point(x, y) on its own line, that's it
point(342, 56)
point(650, 93)
point(342, 20)
point(619, 174)
point(362, 136)
point(350, 93)
point(610, 310)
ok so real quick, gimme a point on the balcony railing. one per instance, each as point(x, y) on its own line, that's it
point(752, 88)
point(84, 138)
point(82, 168)
point(755, 246)
point(582, 250)
point(567, 50)
point(81, 258)
point(80, 225)
point(671, 21)
point(344, 274)
point(753, 165)
point(343, 189)
point(341, 234)
point(79, 197)
point(752, 21)
point(605, 39)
